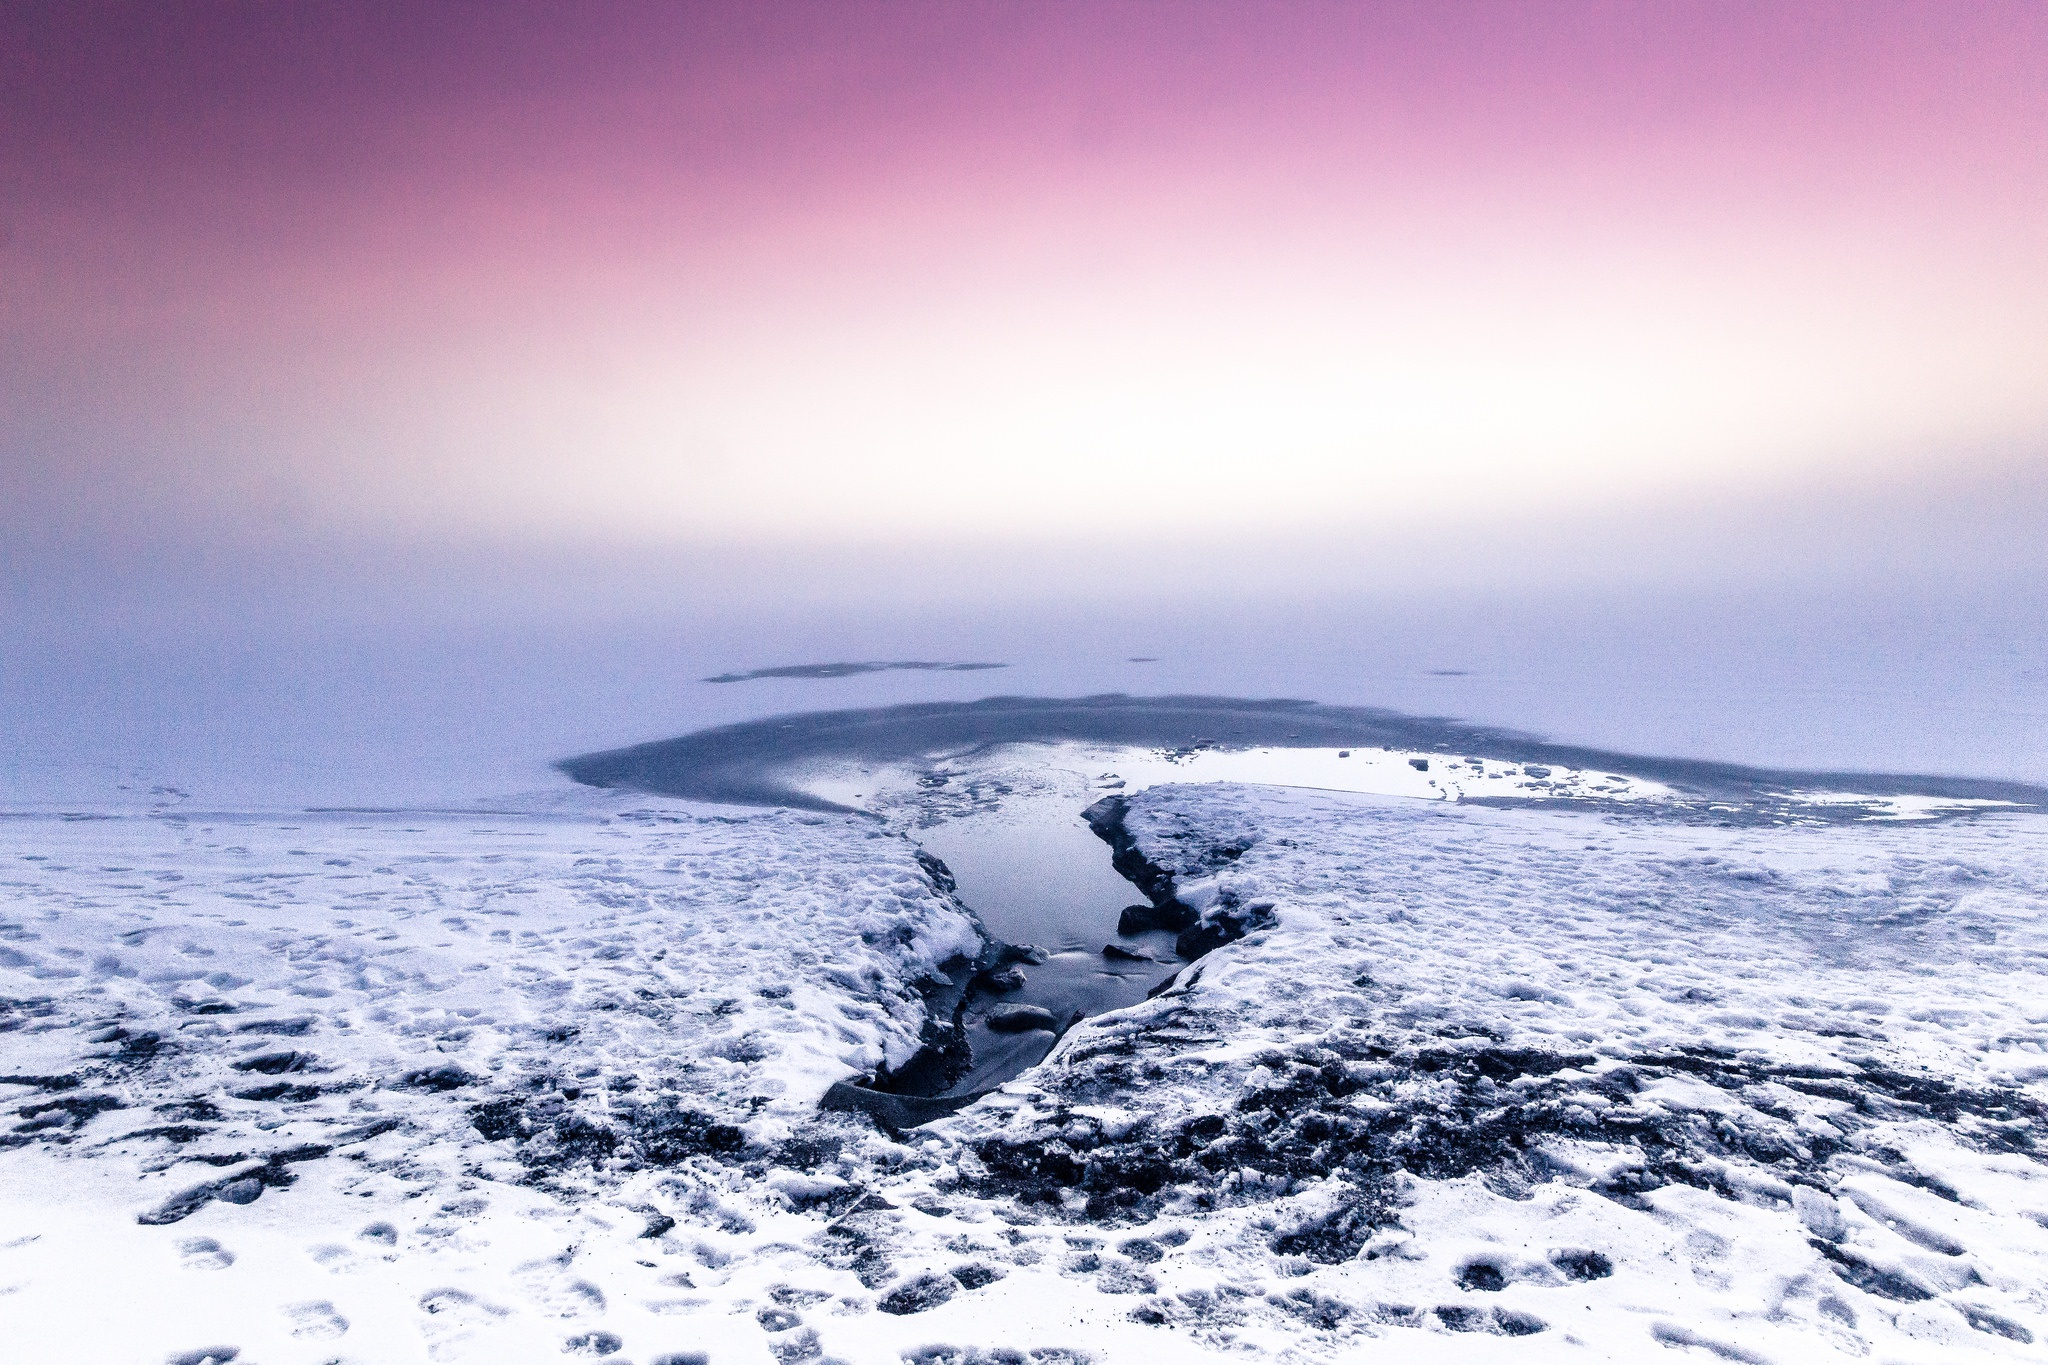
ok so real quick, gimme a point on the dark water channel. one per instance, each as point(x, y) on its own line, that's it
point(1038, 875)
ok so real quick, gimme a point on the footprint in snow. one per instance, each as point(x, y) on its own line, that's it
point(453, 1316)
point(557, 1293)
point(316, 1320)
point(203, 1253)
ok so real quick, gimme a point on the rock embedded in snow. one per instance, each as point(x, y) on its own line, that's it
point(1020, 1018)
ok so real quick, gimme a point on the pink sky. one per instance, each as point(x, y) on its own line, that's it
point(768, 273)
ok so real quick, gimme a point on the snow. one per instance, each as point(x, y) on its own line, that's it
point(1581, 1081)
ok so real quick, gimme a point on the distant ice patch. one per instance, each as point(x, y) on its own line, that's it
point(849, 670)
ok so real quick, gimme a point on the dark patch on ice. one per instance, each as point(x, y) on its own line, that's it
point(242, 1186)
point(996, 1355)
point(550, 1134)
point(1986, 1321)
point(849, 670)
point(1316, 1310)
point(1365, 1112)
point(1021, 1019)
point(1481, 1275)
point(593, 1344)
point(1582, 1265)
point(46, 1083)
point(1225, 921)
point(279, 1091)
point(178, 1134)
point(445, 1077)
point(1459, 1318)
point(896, 1113)
point(286, 1028)
point(69, 1113)
point(1871, 1279)
point(758, 762)
point(919, 1295)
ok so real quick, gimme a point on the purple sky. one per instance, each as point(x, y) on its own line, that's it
point(843, 275)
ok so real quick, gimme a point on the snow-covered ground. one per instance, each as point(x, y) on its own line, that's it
point(1588, 1082)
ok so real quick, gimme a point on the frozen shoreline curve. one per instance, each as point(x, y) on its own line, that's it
point(758, 762)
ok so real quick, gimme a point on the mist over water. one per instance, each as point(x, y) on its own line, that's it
point(325, 692)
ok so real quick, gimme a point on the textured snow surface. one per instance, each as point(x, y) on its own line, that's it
point(1486, 1084)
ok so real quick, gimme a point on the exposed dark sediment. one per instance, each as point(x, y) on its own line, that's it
point(1198, 933)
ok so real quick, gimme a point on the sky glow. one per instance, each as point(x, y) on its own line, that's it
point(808, 274)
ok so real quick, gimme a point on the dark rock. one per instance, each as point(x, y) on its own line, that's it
point(658, 1225)
point(1421, 765)
point(245, 1191)
point(941, 875)
point(1116, 952)
point(1993, 1324)
point(1138, 919)
point(1020, 1019)
point(274, 1063)
point(179, 1133)
point(1199, 940)
point(1008, 979)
